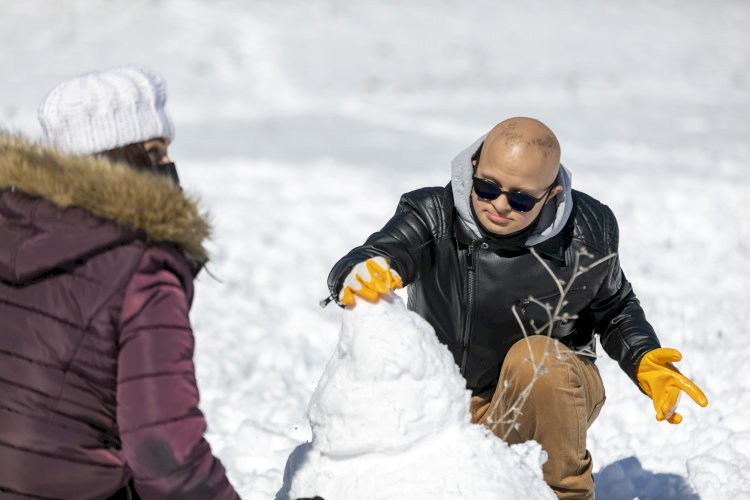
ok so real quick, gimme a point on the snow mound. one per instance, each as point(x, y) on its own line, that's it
point(390, 419)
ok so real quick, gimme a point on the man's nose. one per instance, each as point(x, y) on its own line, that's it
point(501, 203)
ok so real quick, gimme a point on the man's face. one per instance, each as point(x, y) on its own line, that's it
point(513, 168)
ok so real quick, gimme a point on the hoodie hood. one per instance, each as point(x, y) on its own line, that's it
point(552, 219)
point(56, 209)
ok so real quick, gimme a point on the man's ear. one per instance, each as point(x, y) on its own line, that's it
point(475, 157)
point(553, 193)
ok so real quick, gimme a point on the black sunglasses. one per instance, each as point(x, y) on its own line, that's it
point(518, 200)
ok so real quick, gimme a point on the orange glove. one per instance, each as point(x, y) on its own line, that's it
point(369, 280)
point(663, 382)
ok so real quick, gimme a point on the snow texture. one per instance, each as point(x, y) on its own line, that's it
point(390, 419)
point(301, 122)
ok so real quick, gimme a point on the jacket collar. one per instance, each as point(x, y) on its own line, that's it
point(552, 248)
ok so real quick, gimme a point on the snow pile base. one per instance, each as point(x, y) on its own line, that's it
point(390, 419)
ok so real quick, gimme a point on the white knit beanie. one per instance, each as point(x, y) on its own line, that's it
point(103, 110)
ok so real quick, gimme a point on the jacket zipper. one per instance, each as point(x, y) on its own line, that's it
point(469, 306)
point(525, 302)
point(575, 291)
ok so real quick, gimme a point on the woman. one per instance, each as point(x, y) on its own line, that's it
point(98, 251)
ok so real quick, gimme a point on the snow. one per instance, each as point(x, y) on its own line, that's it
point(390, 419)
point(301, 122)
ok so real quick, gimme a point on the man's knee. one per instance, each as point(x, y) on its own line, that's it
point(534, 356)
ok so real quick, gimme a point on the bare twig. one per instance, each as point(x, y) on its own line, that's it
point(555, 314)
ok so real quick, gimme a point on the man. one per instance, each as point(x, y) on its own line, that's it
point(479, 256)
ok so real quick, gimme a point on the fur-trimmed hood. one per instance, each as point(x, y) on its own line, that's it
point(76, 205)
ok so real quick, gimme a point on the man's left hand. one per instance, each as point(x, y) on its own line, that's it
point(663, 382)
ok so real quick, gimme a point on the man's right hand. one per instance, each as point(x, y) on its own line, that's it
point(369, 280)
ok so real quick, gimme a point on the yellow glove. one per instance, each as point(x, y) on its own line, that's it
point(663, 382)
point(369, 280)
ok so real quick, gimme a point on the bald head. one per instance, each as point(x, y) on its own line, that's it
point(523, 144)
point(518, 155)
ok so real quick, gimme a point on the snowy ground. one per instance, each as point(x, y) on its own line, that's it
point(301, 122)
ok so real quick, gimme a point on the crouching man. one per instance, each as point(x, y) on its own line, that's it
point(483, 256)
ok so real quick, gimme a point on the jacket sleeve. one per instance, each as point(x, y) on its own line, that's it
point(405, 241)
point(160, 425)
point(625, 333)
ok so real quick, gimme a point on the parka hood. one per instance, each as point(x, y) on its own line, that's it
point(56, 209)
point(554, 214)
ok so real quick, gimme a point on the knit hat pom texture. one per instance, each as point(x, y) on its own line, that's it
point(103, 110)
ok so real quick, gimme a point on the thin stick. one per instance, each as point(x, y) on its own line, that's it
point(554, 315)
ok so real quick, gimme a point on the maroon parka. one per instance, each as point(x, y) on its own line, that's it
point(97, 382)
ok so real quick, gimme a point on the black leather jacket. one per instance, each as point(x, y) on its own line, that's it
point(468, 288)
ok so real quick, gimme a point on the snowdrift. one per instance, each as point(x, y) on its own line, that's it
point(390, 419)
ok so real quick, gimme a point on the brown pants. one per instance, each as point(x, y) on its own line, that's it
point(556, 410)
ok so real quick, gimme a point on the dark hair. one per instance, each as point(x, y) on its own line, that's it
point(134, 155)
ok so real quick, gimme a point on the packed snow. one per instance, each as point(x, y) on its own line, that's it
point(390, 419)
point(301, 122)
